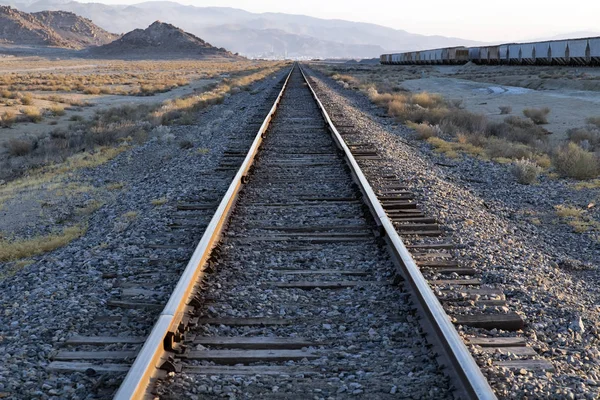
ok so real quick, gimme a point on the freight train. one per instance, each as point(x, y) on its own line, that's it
point(585, 51)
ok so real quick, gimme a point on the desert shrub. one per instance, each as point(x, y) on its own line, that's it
point(427, 100)
point(57, 110)
point(502, 148)
point(381, 99)
point(186, 144)
point(505, 110)
point(473, 139)
point(76, 118)
point(572, 161)
point(467, 121)
point(518, 130)
point(525, 171)
point(517, 122)
point(449, 128)
point(19, 147)
point(539, 116)
point(543, 160)
point(32, 114)
point(8, 119)
point(425, 131)
point(433, 116)
point(587, 139)
point(7, 94)
point(26, 99)
point(348, 79)
point(91, 90)
point(594, 121)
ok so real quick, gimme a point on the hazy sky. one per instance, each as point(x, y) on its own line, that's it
point(470, 19)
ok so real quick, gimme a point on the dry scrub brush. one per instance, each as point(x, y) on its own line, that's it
point(539, 116)
point(572, 161)
point(525, 171)
point(122, 125)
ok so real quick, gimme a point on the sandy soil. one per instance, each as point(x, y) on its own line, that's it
point(98, 103)
point(570, 108)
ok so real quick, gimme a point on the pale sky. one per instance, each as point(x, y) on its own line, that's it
point(483, 20)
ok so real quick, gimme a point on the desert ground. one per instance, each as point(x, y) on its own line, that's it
point(571, 93)
point(540, 125)
point(59, 117)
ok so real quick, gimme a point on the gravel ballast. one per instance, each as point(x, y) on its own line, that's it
point(300, 221)
point(547, 271)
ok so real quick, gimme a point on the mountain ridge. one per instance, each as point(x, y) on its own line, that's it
point(50, 28)
point(273, 35)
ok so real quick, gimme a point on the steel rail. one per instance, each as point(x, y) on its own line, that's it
point(153, 353)
point(462, 367)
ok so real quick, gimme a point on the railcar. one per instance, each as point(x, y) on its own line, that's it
point(543, 53)
point(558, 52)
point(584, 51)
point(594, 46)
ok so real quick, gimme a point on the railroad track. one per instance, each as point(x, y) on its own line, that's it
point(301, 282)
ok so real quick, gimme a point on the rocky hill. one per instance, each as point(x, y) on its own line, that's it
point(79, 31)
point(20, 28)
point(160, 40)
point(50, 28)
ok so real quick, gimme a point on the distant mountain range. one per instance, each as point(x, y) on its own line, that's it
point(50, 28)
point(270, 35)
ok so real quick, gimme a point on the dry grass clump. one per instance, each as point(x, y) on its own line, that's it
point(518, 130)
point(424, 131)
point(594, 121)
point(505, 110)
point(419, 108)
point(453, 149)
point(572, 161)
point(19, 147)
point(502, 148)
point(577, 218)
point(539, 116)
point(57, 110)
point(347, 80)
point(8, 119)
point(17, 249)
point(568, 211)
point(92, 90)
point(32, 114)
point(115, 186)
point(130, 215)
point(26, 99)
point(159, 202)
point(587, 139)
point(525, 171)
